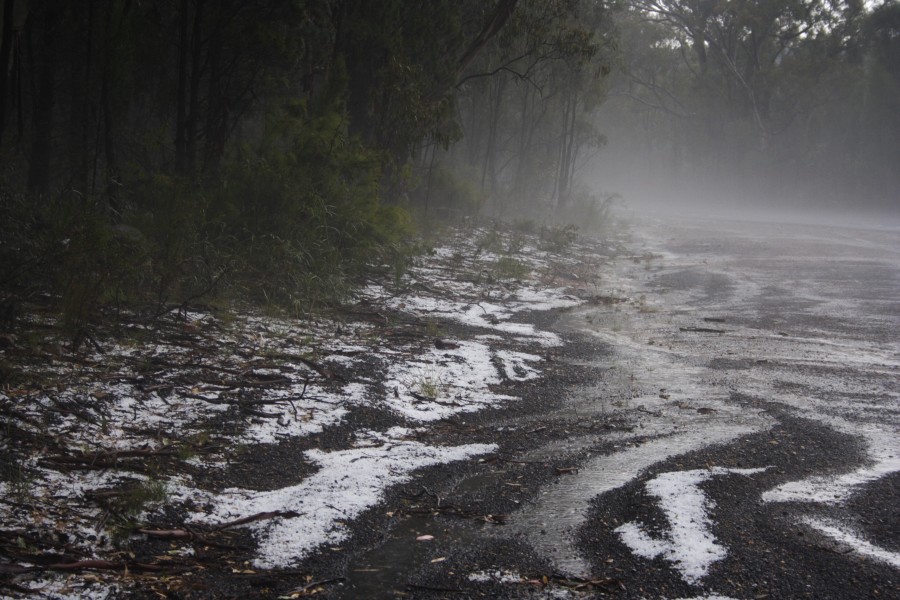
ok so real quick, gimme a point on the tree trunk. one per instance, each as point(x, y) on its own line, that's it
point(109, 121)
point(193, 117)
point(80, 127)
point(181, 100)
point(216, 127)
point(566, 163)
point(488, 168)
point(39, 165)
point(5, 53)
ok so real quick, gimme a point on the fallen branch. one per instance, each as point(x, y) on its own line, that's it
point(284, 514)
point(85, 565)
point(431, 588)
point(309, 588)
point(105, 460)
point(323, 371)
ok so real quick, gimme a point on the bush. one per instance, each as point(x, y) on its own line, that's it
point(451, 192)
point(289, 226)
point(558, 238)
point(308, 217)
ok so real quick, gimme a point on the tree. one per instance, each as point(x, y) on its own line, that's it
point(756, 97)
point(523, 102)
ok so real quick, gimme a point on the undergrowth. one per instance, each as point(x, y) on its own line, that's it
point(287, 228)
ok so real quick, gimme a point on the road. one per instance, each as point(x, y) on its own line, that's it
point(762, 363)
point(735, 437)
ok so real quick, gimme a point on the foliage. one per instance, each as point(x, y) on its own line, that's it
point(776, 99)
point(156, 152)
point(525, 107)
point(490, 241)
point(508, 267)
point(163, 152)
point(452, 190)
point(558, 238)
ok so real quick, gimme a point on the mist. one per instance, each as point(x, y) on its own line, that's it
point(765, 113)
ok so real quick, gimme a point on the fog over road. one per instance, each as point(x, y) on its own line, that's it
point(761, 365)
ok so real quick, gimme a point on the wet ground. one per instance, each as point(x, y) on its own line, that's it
point(727, 428)
point(682, 410)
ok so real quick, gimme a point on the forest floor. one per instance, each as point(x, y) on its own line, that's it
point(223, 453)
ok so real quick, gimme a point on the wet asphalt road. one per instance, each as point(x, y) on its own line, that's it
point(761, 367)
point(736, 435)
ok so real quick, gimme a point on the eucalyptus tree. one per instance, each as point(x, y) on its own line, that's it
point(523, 104)
point(756, 94)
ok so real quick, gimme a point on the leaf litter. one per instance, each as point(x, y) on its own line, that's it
point(132, 441)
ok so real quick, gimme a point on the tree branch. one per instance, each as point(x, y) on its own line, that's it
point(491, 28)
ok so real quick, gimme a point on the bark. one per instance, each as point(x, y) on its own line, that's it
point(488, 169)
point(491, 28)
point(39, 165)
point(80, 127)
point(567, 152)
point(5, 54)
point(106, 107)
point(193, 117)
point(216, 127)
point(181, 100)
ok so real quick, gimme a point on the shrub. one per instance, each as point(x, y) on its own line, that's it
point(558, 238)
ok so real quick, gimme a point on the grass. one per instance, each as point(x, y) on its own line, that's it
point(20, 481)
point(429, 385)
point(138, 498)
point(558, 238)
point(507, 267)
point(491, 241)
point(130, 504)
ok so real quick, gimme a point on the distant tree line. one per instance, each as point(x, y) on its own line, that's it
point(157, 145)
point(787, 99)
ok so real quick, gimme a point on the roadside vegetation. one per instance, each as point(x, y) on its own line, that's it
point(156, 154)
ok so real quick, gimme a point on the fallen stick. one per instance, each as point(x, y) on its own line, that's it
point(169, 534)
point(300, 591)
point(101, 565)
point(285, 514)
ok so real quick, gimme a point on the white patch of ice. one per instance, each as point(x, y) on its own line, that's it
point(841, 534)
point(348, 483)
point(356, 393)
point(441, 383)
point(515, 367)
point(498, 576)
point(883, 453)
point(66, 587)
point(494, 315)
point(830, 490)
point(562, 509)
point(690, 543)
